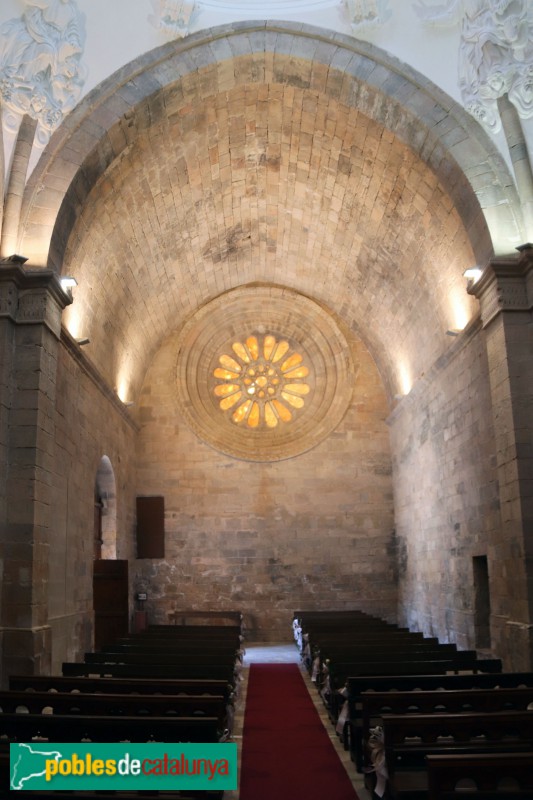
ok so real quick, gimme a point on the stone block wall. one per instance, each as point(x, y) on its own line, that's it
point(89, 424)
point(446, 493)
point(6, 357)
point(312, 531)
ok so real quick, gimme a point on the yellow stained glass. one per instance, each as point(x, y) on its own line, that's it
point(240, 351)
point(292, 361)
point(268, 346)
point(271, 418)
point(281, 349)
point(295, 402)
point(253, 347)
point(253, 416)
point(226, 388)
point(283, 412)
point(266, 384)
point(297, 388)
point(230, 401)
point(230, 363)
point(225, 374)
point(240, 413)
point(299, 372)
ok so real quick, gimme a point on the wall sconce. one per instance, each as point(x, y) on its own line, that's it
point(83, 341)
point(473, 274)
point(453, 332)
point(67, 283)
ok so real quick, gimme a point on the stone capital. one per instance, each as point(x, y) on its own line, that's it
point(506, 284)
point(30, 297)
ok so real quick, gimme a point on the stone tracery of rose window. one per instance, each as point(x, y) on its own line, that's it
point(263, 382)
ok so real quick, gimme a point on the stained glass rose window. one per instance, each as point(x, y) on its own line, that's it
point(262, 383)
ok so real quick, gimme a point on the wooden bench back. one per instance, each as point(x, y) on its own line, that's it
point(62, 683)
point(152, 671)
point(98, 728)
point(487, 771)
point(13, 701)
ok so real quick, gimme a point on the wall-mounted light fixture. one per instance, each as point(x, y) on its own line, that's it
point(83, 341)
point(67, 283)
point(473, 274)
point(453, 332)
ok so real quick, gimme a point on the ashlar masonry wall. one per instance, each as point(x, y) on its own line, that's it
point(89, 425)
point(446, 493)
point(313, 531)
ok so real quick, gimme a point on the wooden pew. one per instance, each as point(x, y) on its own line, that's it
point(114, 704)
point(461, 660)
point(356, 686)
point(410, 738)
point(146, 656)
point(449, 701)
point(355, 644)
point(62, 683)
point(201, 659)
point(486, 771)
point(100, 728)
point(152, 671)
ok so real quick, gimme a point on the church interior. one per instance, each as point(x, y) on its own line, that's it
point(265, 319)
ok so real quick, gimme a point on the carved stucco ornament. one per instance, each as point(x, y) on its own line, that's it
point(367, 13)
point(172, 17)
point(495, 53)
point(41, 69)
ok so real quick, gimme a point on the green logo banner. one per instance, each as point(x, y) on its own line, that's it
point(154, 765)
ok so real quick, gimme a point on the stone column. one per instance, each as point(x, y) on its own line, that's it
point(31, 303)
point(505, 292)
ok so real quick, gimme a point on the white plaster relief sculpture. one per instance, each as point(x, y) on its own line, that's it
point(495, 53)
point(172, 17)
point(41, 72)
point(367, 13)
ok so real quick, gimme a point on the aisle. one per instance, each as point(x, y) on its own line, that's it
point(287, 754)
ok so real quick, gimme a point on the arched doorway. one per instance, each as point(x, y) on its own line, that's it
point(105, 511)
point(110, 576)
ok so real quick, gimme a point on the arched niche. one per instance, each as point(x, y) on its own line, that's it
point(105, 496)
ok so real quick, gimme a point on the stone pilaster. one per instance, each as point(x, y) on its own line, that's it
point(505, 292)
point(31, 303)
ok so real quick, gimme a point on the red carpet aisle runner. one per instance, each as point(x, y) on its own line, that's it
point(286, 752)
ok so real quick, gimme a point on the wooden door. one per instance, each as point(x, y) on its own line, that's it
point(110, 600)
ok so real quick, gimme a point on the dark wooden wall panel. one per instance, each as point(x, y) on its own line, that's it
point(150, 527)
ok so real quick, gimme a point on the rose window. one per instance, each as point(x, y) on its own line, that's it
point(262, 383)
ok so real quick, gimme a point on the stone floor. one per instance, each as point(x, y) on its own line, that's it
point(268, 653)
